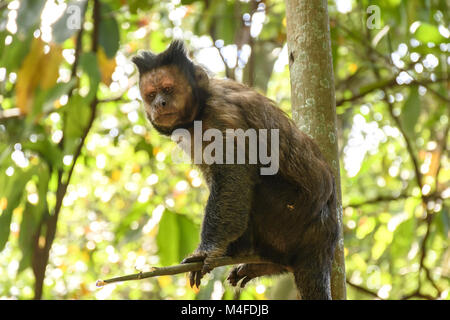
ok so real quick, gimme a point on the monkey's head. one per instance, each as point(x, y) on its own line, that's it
point(172, 87)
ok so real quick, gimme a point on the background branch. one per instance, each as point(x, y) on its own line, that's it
point(41, 254)
point(363, 289)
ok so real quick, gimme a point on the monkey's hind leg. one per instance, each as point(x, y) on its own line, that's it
point(247, 272)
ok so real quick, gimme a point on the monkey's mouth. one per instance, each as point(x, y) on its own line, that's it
point(165, 115)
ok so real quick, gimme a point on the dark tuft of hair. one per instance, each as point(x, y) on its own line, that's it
point(143, 61)
point(174, 55)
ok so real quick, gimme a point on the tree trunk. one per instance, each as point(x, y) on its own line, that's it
point(312, 97)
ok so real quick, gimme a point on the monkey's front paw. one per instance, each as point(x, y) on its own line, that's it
point(206, 257)
point(195, 277)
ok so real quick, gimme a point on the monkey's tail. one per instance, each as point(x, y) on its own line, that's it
point(313, 275)
point(313, 283)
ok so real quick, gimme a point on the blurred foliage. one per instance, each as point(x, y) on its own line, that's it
point(85, 180)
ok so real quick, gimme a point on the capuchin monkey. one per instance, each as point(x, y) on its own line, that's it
point(287, 217)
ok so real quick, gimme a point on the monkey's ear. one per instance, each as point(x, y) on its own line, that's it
point(144, 61)
point(201, 77)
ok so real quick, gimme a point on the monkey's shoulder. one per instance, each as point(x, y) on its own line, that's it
point(239, 106)
point(232, 92)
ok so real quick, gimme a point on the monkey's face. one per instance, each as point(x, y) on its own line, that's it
point(167, 96)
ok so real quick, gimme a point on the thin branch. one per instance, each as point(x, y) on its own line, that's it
point(3, 5)
point(360, 95)
point(378, 199)
point(418, 294)
point(423, 249)
point(409, 147)
point(362, 289)
point(182, 268)
point(367, 42)
point(389, 84)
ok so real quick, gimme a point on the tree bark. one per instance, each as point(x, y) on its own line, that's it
point(313, 97)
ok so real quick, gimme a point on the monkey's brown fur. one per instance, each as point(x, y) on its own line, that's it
point(288, 218)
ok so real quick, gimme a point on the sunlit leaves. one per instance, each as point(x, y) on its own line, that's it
point(402, 238)
point(89, 64)
point(411, 111)
point(366, 226)
point(46, 150)
point(428, 33)
point(28, 228)
point(106, 65)
point(77, 112)
point(134, 214)
point(143, 145)
point(109, 35)
point(383, 238)
point(39, 69)
point(15, 53)
point(13, 192)
point(143, 5)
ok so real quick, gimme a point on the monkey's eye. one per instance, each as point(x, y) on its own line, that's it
point(167, 90)
point(151, 95)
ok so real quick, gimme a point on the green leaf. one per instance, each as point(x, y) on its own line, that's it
point(143, 5)
point(77, 114)
point(222, 21)
point(14, 191)
point(47, 150)
point(185, 2)
point(411, 111)
point(142, 145)
point(136, 212)
point(27, 230)
point(168, 239)
point(88, 63)
point(109, 35)
point(177, 237)
point(403, 237)
point(366, 227)
point(44, 99)
point(15, 53)
point(378, 84)
point(428, 33)
point(55, 93)
point(443, 224)
point(70, 21)
point(189, 235)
